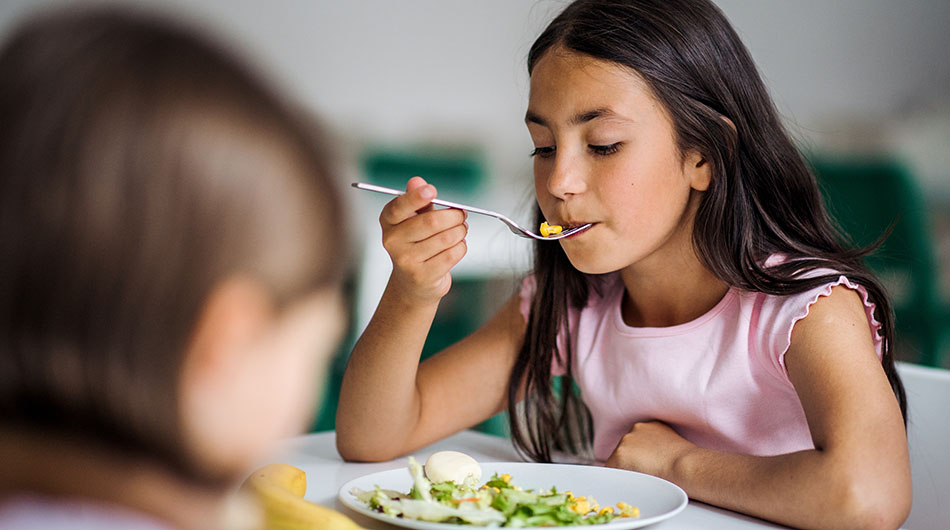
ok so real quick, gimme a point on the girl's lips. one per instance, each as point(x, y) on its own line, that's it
point(573, 224)
point(579, 232)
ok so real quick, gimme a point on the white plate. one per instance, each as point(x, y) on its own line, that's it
point(656, 498)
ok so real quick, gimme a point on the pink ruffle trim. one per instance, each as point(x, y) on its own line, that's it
point(825, 291)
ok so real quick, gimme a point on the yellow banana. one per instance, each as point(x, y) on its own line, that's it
point(285, 476)
point(280, 489)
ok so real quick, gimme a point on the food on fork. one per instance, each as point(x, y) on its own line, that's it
point(550, 230)
point(452, 466)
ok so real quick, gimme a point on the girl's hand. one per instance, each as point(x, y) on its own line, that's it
point(650, 447)
point(424, 243)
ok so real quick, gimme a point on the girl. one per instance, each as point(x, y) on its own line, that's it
point(720, 335)
point(167, 295)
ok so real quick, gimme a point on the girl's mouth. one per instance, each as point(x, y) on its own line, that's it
point(569, 226)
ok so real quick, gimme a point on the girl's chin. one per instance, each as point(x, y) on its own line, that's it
point(589, 264)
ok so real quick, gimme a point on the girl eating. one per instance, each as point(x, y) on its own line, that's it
point(710, 328)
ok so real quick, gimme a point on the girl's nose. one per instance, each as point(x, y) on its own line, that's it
point(566, 177)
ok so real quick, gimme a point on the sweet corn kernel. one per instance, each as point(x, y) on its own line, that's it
point(580, 507)
point(506, 477)
point(550, 230)
point(606, 510)
point(569, 493)
point(628, 511)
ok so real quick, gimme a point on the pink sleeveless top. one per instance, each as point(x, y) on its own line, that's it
point(719, 381)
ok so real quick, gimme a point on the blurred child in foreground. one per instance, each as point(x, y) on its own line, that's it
point(167, 298)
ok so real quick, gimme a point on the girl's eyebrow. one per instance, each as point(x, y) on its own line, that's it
point(579, 118)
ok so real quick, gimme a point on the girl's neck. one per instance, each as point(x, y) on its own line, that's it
point(50, 466)
point(675, 292)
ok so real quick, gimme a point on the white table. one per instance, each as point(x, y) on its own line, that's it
point(326, 472)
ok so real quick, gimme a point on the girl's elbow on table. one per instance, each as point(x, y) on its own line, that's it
point(867, 497)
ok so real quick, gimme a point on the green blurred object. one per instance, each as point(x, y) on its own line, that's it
point(461, 312)
point(458, 169)
point(325, 418)
point(866, 197)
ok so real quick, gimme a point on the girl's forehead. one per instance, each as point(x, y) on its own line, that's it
point(568, 82)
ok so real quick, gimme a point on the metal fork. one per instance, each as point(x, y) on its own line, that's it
point(513, 226)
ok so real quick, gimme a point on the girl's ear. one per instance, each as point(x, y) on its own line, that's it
point(698, 170)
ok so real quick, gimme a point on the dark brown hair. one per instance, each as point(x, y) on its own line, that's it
point(140, 166)
point(763, 198)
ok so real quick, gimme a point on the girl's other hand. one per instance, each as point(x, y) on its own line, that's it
point(424, 243)
point(651, 447)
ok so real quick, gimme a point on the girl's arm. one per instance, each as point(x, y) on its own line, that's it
point(858, 475)
point(390, 404)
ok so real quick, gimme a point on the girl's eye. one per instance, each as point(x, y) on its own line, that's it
point(543, 152)
point(604, 150)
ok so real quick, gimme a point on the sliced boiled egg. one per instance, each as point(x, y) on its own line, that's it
point(452, 466)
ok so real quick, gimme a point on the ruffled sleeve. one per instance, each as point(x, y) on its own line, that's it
point(777, 316)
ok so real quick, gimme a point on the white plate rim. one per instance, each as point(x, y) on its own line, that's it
point(624, 523)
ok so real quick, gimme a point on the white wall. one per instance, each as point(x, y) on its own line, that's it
point(452, 70)
point(847, 75)
point(859, 75)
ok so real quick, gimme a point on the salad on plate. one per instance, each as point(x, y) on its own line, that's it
point(448, 491)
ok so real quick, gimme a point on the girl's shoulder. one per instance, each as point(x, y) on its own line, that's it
point(773, 317)
point(796, 304)
point(792, 307)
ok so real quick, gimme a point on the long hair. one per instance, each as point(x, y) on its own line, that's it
point(763, 198)
point(140, 166)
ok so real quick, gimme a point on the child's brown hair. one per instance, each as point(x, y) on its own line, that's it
point(139, 167)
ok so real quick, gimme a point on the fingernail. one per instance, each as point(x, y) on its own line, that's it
point(428, 192)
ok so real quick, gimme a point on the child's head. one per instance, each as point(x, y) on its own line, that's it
point(171, 245)
point(606, 154)
point(760, 194)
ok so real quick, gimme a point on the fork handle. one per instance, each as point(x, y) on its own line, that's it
point(448, 204)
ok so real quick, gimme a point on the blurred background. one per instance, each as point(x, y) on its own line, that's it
point(439, 88)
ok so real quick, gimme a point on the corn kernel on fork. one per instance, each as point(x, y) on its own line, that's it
point(513, 226)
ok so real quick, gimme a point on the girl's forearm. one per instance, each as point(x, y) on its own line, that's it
point(807, 489)
point(379, 400)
